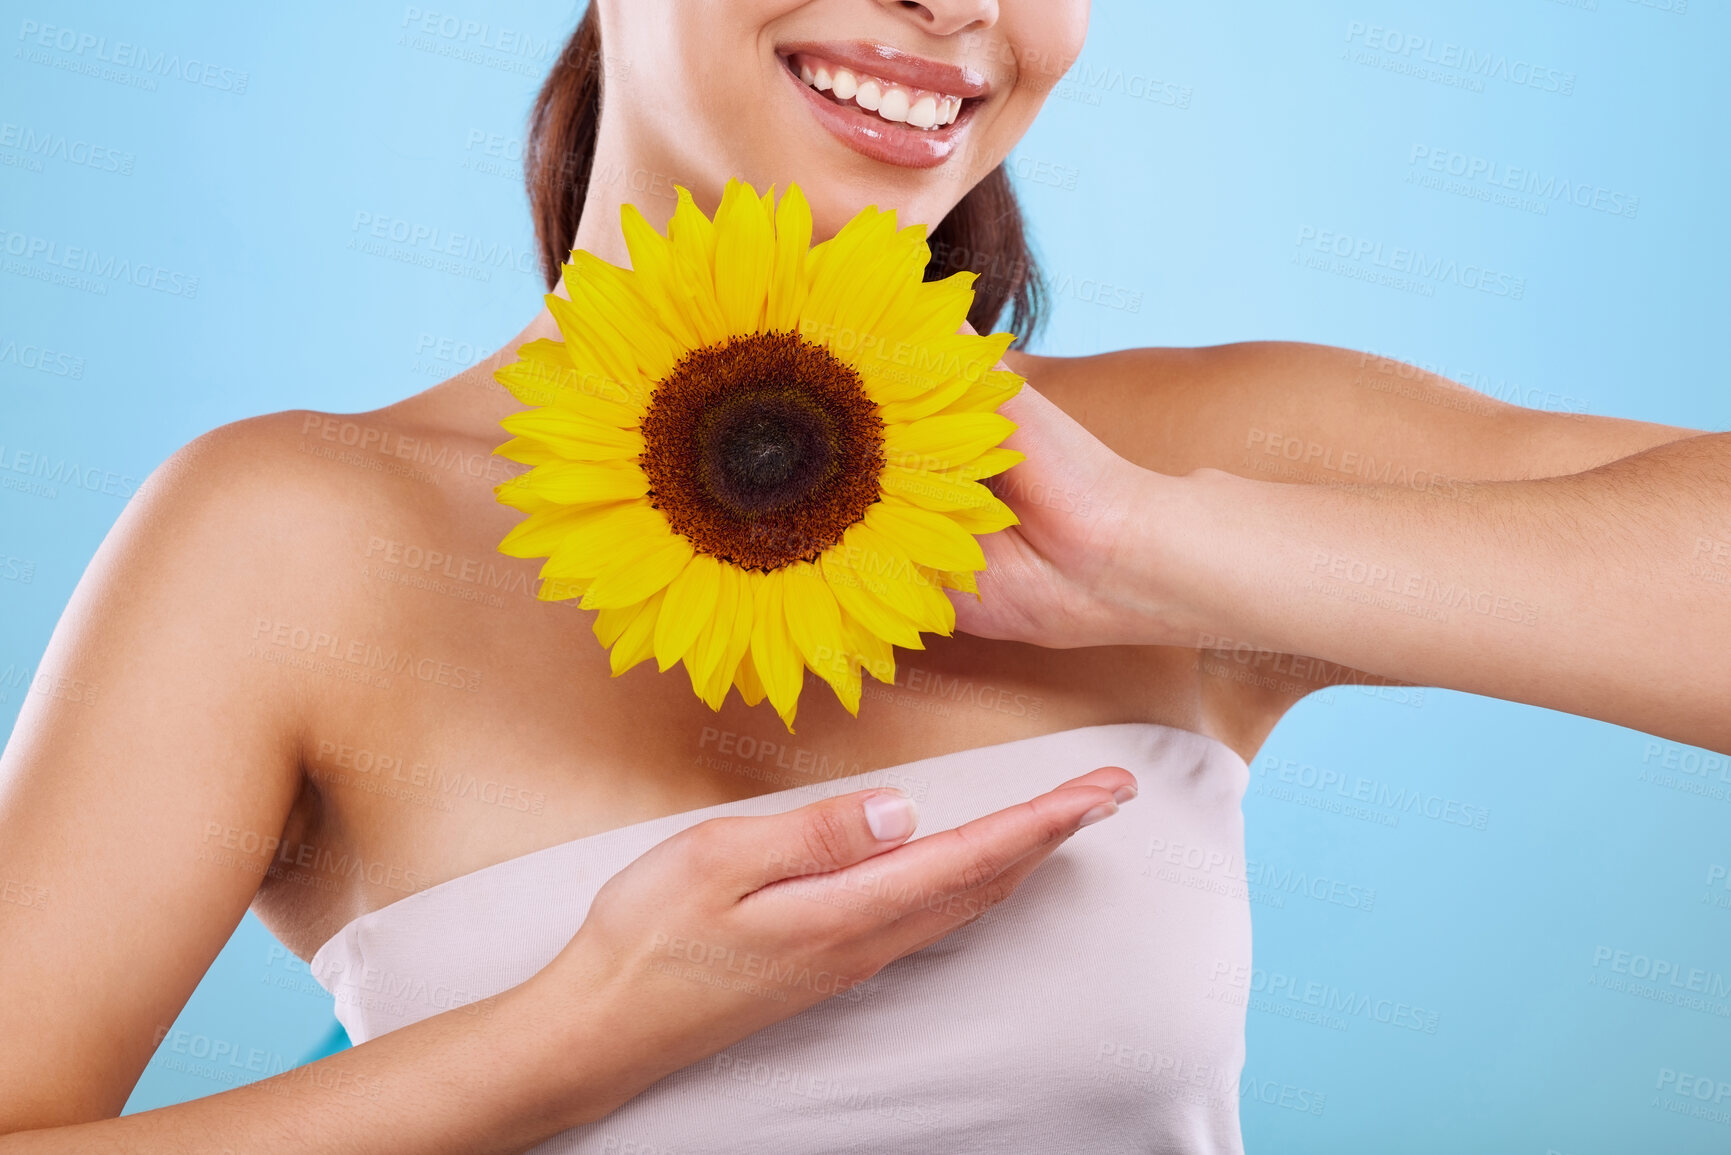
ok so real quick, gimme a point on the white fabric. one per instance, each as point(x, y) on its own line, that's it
point(1093, 1011)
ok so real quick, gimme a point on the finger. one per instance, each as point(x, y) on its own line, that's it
point(932, 872)
point(921, 929)
point(828, 835)
point(916, 932)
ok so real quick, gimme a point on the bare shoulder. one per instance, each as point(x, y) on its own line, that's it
point(164, 727)
point(274, 522)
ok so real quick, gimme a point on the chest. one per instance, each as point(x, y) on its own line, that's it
point(1102, 1002)
point(456, 721)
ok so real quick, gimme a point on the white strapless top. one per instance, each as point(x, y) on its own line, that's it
point(1086, 1013)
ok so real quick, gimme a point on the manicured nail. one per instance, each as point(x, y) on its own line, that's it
point(1104, 810)
point(1124, 793)
point(890, 816)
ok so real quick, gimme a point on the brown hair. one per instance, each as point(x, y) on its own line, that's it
point(984, 233)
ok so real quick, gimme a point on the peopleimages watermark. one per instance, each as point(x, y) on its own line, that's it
point(1457, 65)
point(439, 249)
point(54, 470)
point(1392, 373)
point(1332, 790)
point(31, 146)
point(1700, 1096)
point(359, 655)
point(88, 269)
point(479, 42)
point(1309, 1000)
point(1387, 577)
point(122, 62)
point(41, 358)
point(1702, 773)
point(1661, 980)
point(1397, 267)
point(1518, 186)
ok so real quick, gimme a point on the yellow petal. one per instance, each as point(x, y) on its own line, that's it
point(773, 652)
point(744, 243)
point(929, 538)
point(542, 532)
point(652, 261)
point(881, 278)
point(590, 545)
point(787, 285)
point(638, 570)
point(637, 642)
point(612, 622)
point(544, 374)
point(620, 318)
point(897, 369)
point(710, 645)
point(987, 394)
point(887, 573)
point(528, 451)
point(573, 435)
point(991, 518)
point(693, 240)
point(690, 601)
point(745, 677)
point(874, 653)
point(834, 277)
point(814, 620)
point(931, 309)
point(945, 441)
point(739, 638)
point(992, 461)
point(576, 482)
point(924, 405)
point(851, 594)
point(609, 364)
point(936, 491)
point(952, 579)
point(514, 495)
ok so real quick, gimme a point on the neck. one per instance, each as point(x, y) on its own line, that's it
point(618, 177)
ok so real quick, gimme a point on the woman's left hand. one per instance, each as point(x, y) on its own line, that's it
point(1052, 580)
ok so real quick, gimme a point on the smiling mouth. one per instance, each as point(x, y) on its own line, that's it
point(923, 109)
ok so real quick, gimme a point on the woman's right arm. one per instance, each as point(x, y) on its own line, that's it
point(148, 776)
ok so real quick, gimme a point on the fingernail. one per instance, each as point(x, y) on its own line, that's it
point(1124, 793)
point(890, 816)
point(1104, 810)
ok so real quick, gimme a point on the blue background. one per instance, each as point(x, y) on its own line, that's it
point(1191, 163)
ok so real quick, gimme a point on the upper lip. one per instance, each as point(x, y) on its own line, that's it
point(896, 66)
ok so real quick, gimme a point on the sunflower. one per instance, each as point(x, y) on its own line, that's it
point(757, 456)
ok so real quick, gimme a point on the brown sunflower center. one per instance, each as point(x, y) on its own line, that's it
point(762, 450)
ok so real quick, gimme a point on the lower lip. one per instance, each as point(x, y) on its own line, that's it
point(872, 136)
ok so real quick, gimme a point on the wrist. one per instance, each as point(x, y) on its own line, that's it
point(586, 1054)
point(1164, 577)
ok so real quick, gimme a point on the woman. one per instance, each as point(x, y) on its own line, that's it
point(247, 749)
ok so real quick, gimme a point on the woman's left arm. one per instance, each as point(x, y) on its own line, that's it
point(1605, 593)
point(1586, 567)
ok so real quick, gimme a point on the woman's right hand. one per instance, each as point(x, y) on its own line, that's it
point(737, 923)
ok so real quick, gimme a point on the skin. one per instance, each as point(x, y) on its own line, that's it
point(178, 724)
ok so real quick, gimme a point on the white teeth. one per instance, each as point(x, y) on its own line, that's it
point(892, 102)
